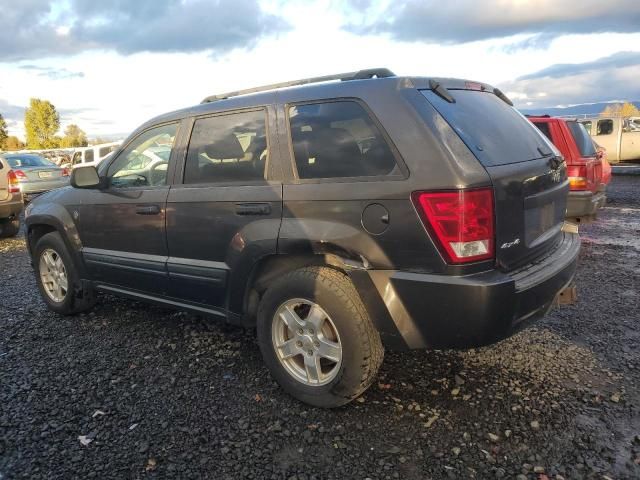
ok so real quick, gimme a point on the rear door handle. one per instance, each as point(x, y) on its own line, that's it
point(253, 208)
point(148, 209)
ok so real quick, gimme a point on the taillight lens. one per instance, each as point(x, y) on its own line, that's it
point(577, 177)
point(14, 183)
point(65, 172)
point(20, 174)
point(461, 221)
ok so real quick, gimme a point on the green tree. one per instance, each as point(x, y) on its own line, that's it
point(74, 137)
point(13, 143)
point(41, 122)
point(3, 132)
point(626, 109)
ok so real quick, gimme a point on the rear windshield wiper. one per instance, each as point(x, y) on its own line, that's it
point(442, 92)
point(544, 152)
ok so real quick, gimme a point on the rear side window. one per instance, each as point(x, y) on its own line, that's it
point(495, 132)
point(227, 148)
point(544, 128)
point(88, 155)
point(582, 138)
point(338, 139)
point(605, 127)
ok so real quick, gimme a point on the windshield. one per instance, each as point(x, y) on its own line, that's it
point(495, 132)
point(26, 161)
point(582, 138)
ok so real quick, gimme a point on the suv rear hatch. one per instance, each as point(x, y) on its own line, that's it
point(527, 172)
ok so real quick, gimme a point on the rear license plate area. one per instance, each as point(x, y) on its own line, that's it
point(45, 174)
point(541, 219)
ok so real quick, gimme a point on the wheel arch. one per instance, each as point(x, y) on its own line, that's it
point(39, 225)
point(245, 301)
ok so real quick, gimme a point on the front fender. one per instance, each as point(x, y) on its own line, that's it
point(57, 217)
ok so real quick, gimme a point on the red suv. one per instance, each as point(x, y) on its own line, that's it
point(584, 165)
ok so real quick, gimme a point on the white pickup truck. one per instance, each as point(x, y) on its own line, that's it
point(620, 136)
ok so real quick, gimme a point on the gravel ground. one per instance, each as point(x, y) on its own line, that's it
point(137, 391)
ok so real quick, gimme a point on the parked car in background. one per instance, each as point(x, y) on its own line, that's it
point(92, 154)
point(10, 200)
point(606, 166)
point(339, 216)
point(584, 165)
point(36, 174)
point(619, 136)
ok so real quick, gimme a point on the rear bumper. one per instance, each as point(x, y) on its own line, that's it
point(413, 310)
point(585, 204)
point(12, 207)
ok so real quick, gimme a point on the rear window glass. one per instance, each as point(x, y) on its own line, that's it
point(24, 161)
point(582, 138)
point(495, 132)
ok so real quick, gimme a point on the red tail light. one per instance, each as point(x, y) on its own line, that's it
point(65, 172)
point(12, 180)
point(577, 177)
point(462, 222)
point(20, 174)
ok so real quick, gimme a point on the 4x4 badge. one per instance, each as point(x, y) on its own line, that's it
point(510, 244)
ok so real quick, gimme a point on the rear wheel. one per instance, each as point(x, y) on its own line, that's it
point(316, 337)
point(9, 227)
point(58, 279)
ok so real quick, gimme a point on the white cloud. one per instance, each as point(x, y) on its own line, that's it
point(119, 92)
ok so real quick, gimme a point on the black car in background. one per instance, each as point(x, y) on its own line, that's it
point(338, 215)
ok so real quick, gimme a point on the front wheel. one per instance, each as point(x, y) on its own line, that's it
point(57, 277)
point(316, 337)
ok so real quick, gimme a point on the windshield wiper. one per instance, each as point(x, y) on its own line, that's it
point(545, 153)
point(442, 92)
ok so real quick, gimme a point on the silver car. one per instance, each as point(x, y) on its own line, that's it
point(36, 174)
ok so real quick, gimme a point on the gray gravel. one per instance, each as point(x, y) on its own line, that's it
point(132, 390)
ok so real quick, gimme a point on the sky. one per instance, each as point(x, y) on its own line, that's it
point(110, 65)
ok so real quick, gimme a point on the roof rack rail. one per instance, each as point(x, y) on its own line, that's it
point(359, 75)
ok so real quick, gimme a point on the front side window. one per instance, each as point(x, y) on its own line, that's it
point(145, 161)
point(587, 124)
point(338, 139)
point(227, 149)
point(605, 127)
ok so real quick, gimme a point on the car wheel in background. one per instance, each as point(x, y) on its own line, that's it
point(316, 337)
point(57, 277)
point(9, 227)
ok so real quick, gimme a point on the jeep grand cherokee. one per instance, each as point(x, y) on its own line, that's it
point(338, 215)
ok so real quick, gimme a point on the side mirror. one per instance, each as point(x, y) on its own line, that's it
point(85, 177)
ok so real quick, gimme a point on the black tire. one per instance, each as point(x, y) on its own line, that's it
point(77, 299)
point(362, 350)
point(9, 227)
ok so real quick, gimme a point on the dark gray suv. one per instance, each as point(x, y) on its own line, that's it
point(336, 214)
